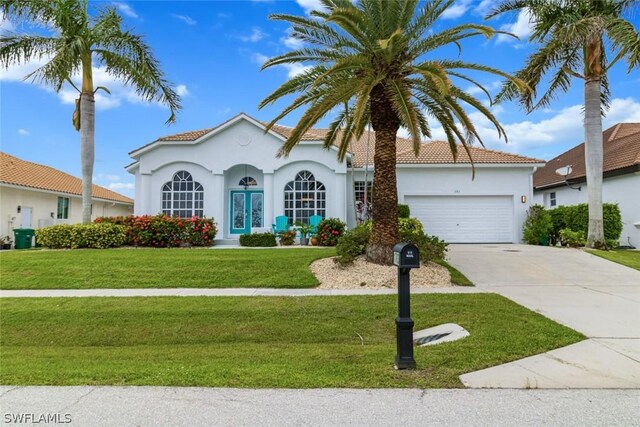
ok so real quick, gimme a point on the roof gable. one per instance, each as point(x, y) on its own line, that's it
point(197, 136)
point(22, 173)
point(621, 151)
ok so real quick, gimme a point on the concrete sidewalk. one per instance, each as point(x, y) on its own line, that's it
point(592, 295)
point(191, 406)
point(223, 292)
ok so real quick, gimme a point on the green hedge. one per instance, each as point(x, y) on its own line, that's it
point(537, 225)
point(264, 240)
point(576, 218)
point(404, 211)
point(96, 236)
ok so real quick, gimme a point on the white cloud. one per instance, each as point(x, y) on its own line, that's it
point(295, 69)
point(67, 95)
point(485, 6)
point(5, 24)
point(259, 58)
point(186, 19)
point(565, 126)
point(310, 5)
point(126, 10)
point(182, 90)
point(23, 132)
point(523, 27)
point(456, 10)
point(121, 186)
point(292, 42)
point(490, 87)
point(255, 36)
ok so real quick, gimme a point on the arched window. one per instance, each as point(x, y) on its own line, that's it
point(248, 181)
point(304, 197)
point(182, 197)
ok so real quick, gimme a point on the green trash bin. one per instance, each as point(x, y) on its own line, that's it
point(23, 237)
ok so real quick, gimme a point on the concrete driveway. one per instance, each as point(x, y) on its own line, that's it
point(594, 296)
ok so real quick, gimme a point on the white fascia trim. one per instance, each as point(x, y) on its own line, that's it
point(219, 129)
point(60, 193)
point(467, 165)
point(132, 168)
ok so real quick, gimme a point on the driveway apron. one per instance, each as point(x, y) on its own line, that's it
point(594, 296)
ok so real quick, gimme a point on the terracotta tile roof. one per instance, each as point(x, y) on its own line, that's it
point(16, 171)
point(621, 145)
point(430, 152)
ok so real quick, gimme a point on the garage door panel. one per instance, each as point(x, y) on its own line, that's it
point(465, 219)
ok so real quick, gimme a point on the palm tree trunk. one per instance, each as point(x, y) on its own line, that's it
point(87, 135)
point(593, 150)
point(384, 232)
point(87, 143)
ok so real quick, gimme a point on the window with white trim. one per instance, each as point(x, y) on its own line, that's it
point(182, 196)
point(63, 208)
point(304, 197)
point(359, 188)
point(552, 199)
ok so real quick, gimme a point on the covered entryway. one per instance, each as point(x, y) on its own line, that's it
point(465, 219)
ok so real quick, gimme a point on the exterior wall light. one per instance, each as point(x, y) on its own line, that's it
point(19, 208)
point(523, 199)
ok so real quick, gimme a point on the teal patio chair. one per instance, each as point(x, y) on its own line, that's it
point(282, 224)
point(314, 220)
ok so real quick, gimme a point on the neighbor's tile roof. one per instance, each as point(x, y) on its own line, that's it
point(621, 145)
point(430, 152)
point(26, 174)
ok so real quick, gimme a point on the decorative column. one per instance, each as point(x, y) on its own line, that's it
point(268, 199)
point(340, 199)
point(142, 206)
point(218, 197)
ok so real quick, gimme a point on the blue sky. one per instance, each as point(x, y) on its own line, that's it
point(212, 51)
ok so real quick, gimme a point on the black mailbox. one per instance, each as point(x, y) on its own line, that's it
point(406, 255)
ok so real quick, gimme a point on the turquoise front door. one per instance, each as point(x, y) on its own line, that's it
point(246, 211)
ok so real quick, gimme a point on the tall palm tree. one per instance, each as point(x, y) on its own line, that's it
point(577, 38)
point(80, 42)
point(372, 55)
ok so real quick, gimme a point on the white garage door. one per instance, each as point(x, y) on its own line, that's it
point(465, 219)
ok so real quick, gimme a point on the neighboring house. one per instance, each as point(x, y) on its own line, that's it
point(621, 178)
point(34, 196)
point(232, 173)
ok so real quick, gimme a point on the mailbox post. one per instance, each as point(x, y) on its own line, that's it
point(405, 256)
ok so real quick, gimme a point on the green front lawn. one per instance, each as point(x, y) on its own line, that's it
point(624, 257)
point(297, 342)
point(160, 268)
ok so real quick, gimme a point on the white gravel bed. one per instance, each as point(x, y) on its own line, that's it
point(364, 275)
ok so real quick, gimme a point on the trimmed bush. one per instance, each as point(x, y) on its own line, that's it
point(163, 231)
point(537, 226)
point(573, 239)
point(408, 225)
point(576, 218)
point(264, 240)
point(353, 243)
point(404, 211)
point(329, 231)
point(95, 236)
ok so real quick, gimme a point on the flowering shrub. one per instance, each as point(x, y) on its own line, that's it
point(97, 236)
point(163, 231)
point(287, 237)
point(329, 231)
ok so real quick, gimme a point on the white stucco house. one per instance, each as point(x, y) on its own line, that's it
point(231, 172)
point(621, 178)
point(34, 195)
